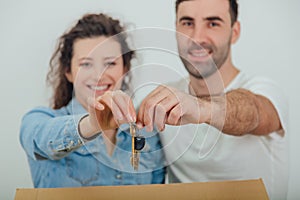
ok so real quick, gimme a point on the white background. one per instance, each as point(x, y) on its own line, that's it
point(29, 29)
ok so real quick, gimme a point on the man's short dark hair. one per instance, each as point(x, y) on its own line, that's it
point(233, 9)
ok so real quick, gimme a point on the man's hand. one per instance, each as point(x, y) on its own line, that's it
point(167, 105)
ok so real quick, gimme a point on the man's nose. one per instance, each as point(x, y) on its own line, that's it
point(199, 35)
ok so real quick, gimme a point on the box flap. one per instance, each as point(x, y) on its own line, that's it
point(248, 189)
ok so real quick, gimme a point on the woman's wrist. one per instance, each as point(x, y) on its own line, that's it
point(85, 130)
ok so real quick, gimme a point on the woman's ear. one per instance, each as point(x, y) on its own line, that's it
point(236, 31)
point(126, 69)
point(69, 76)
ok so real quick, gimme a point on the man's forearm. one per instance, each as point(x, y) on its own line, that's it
point(240, 112)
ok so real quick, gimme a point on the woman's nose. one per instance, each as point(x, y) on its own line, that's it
point(98, 71)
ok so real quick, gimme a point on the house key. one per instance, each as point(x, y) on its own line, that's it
point(137, 144)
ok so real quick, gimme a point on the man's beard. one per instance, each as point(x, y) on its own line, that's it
point(202, 70)
point(193, 69)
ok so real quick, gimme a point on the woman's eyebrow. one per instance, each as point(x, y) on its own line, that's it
point(85, 58)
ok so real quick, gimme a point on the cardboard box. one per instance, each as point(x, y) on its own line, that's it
point(248, 189)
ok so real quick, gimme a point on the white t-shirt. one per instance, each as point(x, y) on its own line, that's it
point(199, 153)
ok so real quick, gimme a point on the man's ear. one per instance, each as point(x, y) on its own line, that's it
point(236, 31)
point(69, 76)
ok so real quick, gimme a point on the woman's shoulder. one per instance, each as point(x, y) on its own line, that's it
point(44, 110)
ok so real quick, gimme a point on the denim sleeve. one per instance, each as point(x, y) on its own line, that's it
point(156, 156)
point(43, 135)
point(158, 176)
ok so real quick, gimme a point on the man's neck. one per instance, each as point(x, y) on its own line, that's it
point(214, 84)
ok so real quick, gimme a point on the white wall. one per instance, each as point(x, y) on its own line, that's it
point(29, 29)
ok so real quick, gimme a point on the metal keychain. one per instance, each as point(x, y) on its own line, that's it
point(137, 144)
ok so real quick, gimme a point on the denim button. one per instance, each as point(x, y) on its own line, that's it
point(118, 176)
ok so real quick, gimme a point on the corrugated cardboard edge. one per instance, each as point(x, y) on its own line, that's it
point(242, 190)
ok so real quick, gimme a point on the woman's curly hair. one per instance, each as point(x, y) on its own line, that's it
point(89, 26)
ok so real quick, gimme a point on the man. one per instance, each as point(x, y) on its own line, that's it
point(232, 126)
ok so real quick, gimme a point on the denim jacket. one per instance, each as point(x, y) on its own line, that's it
point(59, 157)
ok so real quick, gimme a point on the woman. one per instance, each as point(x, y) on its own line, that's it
point(84, 139)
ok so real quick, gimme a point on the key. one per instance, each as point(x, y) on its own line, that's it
point(134, 160)
point(137, 144)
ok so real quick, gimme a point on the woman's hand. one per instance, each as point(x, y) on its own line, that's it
point(107, 112)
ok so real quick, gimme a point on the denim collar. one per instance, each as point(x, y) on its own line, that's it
point(74, 107)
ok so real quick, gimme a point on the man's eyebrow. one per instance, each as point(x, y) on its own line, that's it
point(214, 18)
point(185, 18)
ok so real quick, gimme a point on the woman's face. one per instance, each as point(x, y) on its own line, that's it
point(96, 67)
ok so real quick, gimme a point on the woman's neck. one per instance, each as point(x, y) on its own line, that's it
point(110, 141)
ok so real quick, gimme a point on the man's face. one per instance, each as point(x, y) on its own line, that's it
point(204, 35)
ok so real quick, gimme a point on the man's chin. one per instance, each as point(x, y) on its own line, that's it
point(198, 74)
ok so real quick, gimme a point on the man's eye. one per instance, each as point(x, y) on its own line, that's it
point(213, 24)
point(187, 23)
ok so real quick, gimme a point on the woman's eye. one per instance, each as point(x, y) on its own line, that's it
point(85, 64)
point(109, 64)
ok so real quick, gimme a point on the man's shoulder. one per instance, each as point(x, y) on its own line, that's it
point(246, 81)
